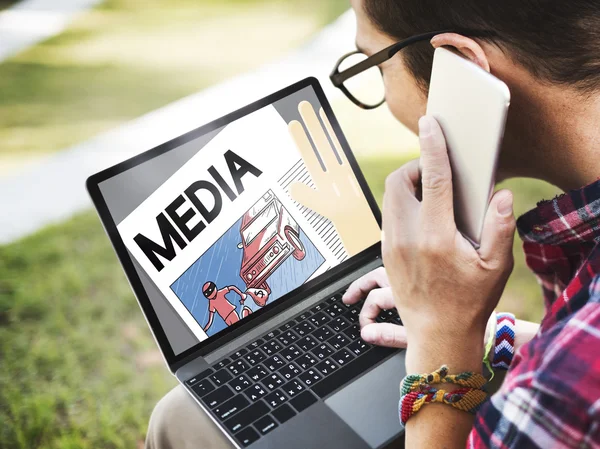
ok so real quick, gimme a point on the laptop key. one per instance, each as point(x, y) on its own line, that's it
point(288, 325)
point(326, 367)
point(221, 377)
point(306, 361)
point(276, 398)
point(353, 332)
point(273, 381)
point(343, 357)
point(310, 377)
point(256, 344)
point(283, 413)
point(203, 387)
point(307, 343)
point(231, 407)
point(222, 364)
point(322, 351)
point(304, 328)
point(293, 387)
point(289, 371)
point(247, 436)
point(359, 347)
point(255, 392)
point(352, 315)
point(251, 414)
point(238, 367)
point(338, 342)
point(323, 333)
point(303, 401)
point(200, 376)
point(255, 357)
point(236, 355)
point(218, 396)
point(318, 308)
point(271, 347)
point(240, 383)
point(271, 335)
point(257, 373)
point(319, 319)
point(275, 362)
point(291, 353)
point(304, 316)
point(335, 310)
point(265, 424)
point(339, 324)
point(352, 369)
point(287, 338)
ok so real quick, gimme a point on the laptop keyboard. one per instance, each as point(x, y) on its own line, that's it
point(256, 389)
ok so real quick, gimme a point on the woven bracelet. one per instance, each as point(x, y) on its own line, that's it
point(504, 348)
point(413, 382)
point(464, 399)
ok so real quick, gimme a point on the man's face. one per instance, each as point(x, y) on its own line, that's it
point(404, 97)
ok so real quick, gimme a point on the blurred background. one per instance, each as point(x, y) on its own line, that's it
point(85, 84)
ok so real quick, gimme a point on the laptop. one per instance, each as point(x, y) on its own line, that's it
point(239, 239)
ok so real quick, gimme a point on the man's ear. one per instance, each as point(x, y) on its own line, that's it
point(464, 45)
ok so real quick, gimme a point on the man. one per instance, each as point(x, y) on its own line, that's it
point(218, 303)
point(547, 52)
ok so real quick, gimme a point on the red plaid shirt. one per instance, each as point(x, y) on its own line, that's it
point(550, 397)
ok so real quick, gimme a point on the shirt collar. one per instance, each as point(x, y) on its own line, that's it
point(572, 217)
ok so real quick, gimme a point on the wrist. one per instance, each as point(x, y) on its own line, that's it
point(459, 352)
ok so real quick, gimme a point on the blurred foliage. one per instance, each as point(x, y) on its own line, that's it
point(79, 365)
point(127, 57)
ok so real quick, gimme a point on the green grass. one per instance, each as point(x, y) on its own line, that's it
point(124, 59)
point(79, 366)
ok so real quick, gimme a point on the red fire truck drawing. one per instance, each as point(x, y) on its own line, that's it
point(269, 236)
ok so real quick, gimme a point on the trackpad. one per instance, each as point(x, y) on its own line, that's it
point(369, 405)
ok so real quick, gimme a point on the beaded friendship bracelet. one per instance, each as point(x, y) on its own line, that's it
point(504, 349)
point(465, 399)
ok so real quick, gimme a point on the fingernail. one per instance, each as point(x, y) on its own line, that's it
point(425, 128)
point(505, 206)
point(367, 333)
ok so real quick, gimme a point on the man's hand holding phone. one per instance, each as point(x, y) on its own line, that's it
point(443, 288)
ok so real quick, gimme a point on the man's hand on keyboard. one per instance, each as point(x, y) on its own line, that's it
point(375, 289)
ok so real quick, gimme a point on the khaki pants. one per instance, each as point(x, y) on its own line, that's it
point(177, 422)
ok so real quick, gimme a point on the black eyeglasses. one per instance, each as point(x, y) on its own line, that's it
point(367, 91)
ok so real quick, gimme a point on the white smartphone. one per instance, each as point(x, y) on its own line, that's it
point(471, 106)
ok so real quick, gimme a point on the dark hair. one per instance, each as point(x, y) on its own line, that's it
point(558, 41)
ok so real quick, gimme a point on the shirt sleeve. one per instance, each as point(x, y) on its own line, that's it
point(549, 397)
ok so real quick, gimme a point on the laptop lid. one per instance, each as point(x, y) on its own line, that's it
point(233, 222)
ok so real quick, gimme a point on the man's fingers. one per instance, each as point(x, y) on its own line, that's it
point(361, 287)
point(384, 334)
point(377, 300)
point(498, 229)
point(318, 136)
point(308, 197)
point(436, 176)
point(306, 150)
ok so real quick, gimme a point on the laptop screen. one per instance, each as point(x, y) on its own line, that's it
point(232, 220)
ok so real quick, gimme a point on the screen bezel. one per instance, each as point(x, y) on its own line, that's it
point(284, 302)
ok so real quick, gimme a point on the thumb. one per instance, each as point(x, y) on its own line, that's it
point(384, 334)
point(498, 229)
